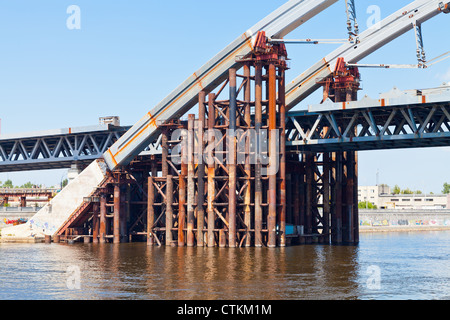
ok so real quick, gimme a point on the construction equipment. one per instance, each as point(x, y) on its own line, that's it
point(370, 41)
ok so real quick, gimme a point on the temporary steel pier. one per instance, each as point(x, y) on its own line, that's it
point(243, 171)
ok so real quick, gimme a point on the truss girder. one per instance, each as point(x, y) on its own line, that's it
point(426, 125)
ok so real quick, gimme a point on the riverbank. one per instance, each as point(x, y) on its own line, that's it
point(15, 213)
point(370, 221)
point(403, 229)
point(404, 220)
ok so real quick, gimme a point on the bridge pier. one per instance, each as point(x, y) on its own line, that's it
point(226, 178)
point(73, 172)
point(238, 197)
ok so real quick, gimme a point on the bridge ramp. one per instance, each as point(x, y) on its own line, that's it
point(53, 215)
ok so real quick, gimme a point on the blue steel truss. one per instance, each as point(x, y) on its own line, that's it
point(410, 125)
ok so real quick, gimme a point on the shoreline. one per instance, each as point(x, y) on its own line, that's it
point(379, 229)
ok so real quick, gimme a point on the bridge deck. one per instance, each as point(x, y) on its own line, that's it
point(396, 120)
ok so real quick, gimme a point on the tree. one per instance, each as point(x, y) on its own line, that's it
point(396, 190)
point(407, 191)
point(8, 184)
point(64, 183)
point(27, 185)
point(366, 205)
point(446, 189)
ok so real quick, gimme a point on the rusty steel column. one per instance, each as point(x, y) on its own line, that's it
point(117, 207)
point(123, 214)
point(309, 175)
point(190, 183)
point(247, 165)
point(326, 197)
point(296, 199)
point(355, 197)
point(231, 160)
point(23, 201)
point(95, 222)
point(150, 211)
point(169, 209)
point(165, 152)
point(337, 219)
point(211, 171)
point(282, 112)
point(102, 231)
point(350, 204)
point(272, 192)
point(258, 178)
point(182, 192)
point(302, 194)
point(200, 170)
point(222, 239)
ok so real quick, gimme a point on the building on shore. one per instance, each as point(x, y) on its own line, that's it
point(26, 197)
point(382, 197)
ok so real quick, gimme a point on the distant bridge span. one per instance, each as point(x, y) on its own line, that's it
point(398, 119)
point(58, 148)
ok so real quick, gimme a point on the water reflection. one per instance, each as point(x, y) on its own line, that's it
point(413, 266)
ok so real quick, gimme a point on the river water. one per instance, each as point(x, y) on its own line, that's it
point(384, 266)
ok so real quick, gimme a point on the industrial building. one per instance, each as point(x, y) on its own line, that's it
point(382, 197)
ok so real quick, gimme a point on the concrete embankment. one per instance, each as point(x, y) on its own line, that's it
point(14, 213)
point(53, 215)
point(404, 220)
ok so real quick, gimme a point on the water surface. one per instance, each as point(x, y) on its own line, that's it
point(406, 265)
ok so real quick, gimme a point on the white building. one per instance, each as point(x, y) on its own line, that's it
point(372, 194)
point(381, 197)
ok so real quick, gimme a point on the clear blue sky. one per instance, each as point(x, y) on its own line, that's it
point(128, 55)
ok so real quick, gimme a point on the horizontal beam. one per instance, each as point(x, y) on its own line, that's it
point(59, 148)
point(370, 128)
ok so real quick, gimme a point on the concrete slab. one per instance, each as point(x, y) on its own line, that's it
point(53, 215)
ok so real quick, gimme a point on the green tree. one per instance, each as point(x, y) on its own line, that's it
point(27, 185)
point(407, 191)
point(446, 189)
point(366, 205)
point(396, 190)
point(8, 184)
point(64, 183)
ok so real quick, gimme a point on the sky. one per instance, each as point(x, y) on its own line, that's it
point(128, 55)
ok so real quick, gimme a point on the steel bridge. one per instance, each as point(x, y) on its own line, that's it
point(398, 119)
point(409, 119)
point(60, 148)
point(128, 194)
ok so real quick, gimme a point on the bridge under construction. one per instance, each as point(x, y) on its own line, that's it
point(242, 170)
